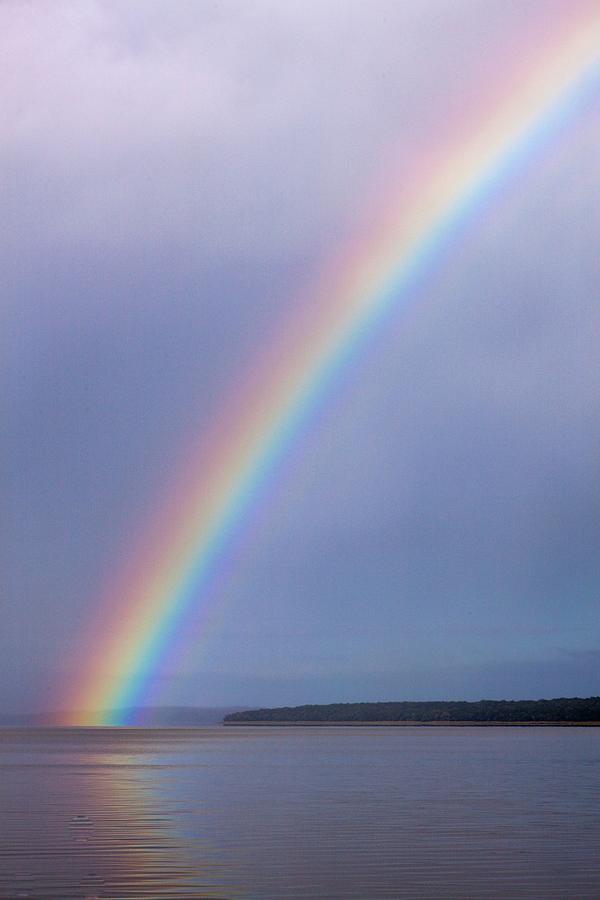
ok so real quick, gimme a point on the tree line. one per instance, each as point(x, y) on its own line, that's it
point(561, 709)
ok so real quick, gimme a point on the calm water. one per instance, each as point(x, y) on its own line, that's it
point(305, 813)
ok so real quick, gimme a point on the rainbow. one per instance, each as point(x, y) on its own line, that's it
point(175, 570)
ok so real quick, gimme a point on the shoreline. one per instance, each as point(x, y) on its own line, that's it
point(406, 723)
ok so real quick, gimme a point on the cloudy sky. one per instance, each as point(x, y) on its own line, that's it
point(174, 176)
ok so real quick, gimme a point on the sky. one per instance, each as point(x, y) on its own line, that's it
point(175, 176)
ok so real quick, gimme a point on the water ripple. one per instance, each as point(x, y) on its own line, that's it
point(268, 814)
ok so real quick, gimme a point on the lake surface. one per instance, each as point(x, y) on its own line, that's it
point(410, 812)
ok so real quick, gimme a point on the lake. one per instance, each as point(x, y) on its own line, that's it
point(247, 812)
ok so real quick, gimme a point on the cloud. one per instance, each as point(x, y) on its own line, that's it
point(172, 174)
point(238, 128)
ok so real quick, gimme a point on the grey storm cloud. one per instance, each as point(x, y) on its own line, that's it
point(173, 176)
point(241, 128)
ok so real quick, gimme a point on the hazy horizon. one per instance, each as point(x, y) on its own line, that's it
point(150, 713)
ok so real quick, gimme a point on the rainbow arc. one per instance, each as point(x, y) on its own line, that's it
point(172, 572)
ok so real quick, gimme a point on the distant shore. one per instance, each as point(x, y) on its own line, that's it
point(410, 724)
point(561, 711)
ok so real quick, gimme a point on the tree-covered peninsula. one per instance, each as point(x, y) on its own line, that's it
point(562, 710)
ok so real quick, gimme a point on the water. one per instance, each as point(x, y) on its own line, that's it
point(264, 813)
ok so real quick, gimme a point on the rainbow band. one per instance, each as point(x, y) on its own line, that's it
point(219, 491)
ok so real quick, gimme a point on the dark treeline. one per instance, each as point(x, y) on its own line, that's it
point(562, 709)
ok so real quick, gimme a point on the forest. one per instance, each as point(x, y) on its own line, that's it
point(558, 710)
